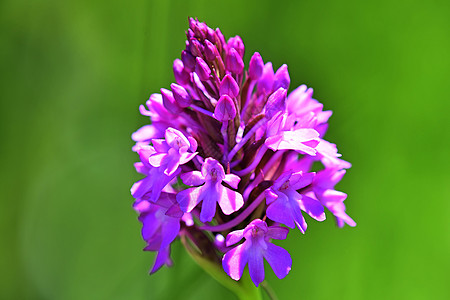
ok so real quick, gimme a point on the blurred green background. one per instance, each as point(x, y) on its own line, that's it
point(74, 73)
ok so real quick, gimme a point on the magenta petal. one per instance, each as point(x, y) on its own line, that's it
point(232, 180)
point(144, 133)
point(256, 265)
point(229, 201)
point(170, 231)
point(313, 208)
point(209, 196)
point(185, 157)
point(279, 259)
point(300, 180)
point(279, 209)
point(156, 159)
point(193, 178)
point(234, 237)
point(234, 261)
point(163, 257)
point(270, 196)
point(188, 199)
point(298, 218)
point(277, 232)
point(141, 187)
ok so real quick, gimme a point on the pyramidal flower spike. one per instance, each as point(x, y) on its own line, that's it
point(227, 163)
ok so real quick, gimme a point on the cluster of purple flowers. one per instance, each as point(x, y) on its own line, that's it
point(233, 137)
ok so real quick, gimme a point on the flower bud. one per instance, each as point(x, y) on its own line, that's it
point(181, 75)
point(210, 51)
point(237, 43)
point(169, 102)
point(225, 109)
point(229, 87)
point(195, 47)
point(221, 39)
point(188, 60)
point(180, 95)
point(265, 82)
point(276, 102)
point(234, 61)
point(202, 69)
point(282, 78)
point(256, 66)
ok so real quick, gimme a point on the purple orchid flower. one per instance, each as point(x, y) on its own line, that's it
point(323, 187)
point(160, 226)
point(233, 134)
point(285, 203)
point(257, 246)
point(211, 191)
point(281, 137)
point(155, 181)
point(173, 151)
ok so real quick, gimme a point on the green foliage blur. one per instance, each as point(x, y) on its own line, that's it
point(73, 74)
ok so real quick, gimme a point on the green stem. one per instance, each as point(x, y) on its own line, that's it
point(244, 289)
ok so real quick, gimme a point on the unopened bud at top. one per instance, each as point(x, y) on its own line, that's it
point(180, 95)
point(202, 69)
point(256, 66)
point(188, 60)
point(225, 109)
point(210, 51)
point(229, 87)
point(276, 102)
point(169, 102)
point(195, 47)
point(181, 75)
point(282, 78)
point(237, 43)
point(234, 61)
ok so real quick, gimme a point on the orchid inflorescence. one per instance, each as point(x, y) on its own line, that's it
point(233, 137)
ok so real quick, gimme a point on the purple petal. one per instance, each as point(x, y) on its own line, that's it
point(313, 208)
point(229, 200)
point(141, 168)
point(232, 180)
point(185, 157)
point(279, 209)
point(144, 133)
point(189, 198)
point(256, 265)
point(298, 217)
point(279, 259)
point(300, 180)
point(270, 196)
point(160, 145)
point(193, 178)
point(209, 195)
point(175, 211)
point(170, 230)
point(234, 261)
point(141, 187)
point(156, 159)
point(234, 237)
point(277, 232)
point(162, 258)
point(150, 226)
